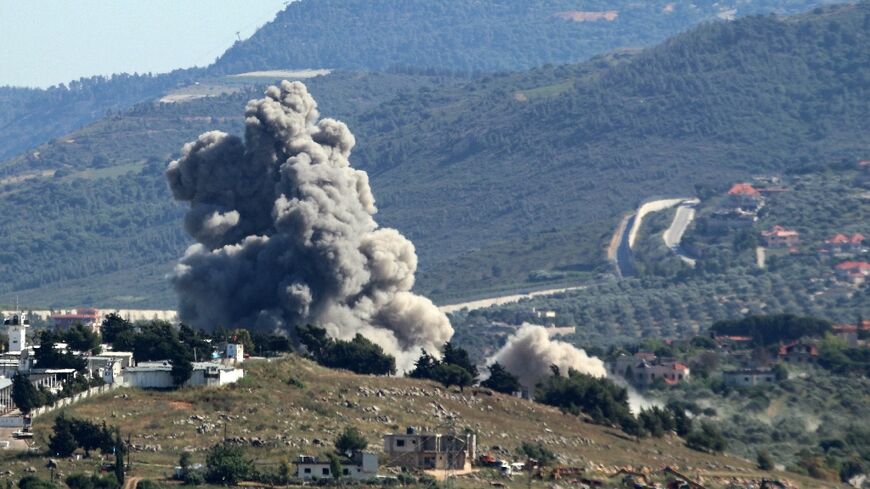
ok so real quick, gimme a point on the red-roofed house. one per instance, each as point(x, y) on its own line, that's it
point(854, 272)
point(840, 243)
point(780, 237)
point(670, 372)
point(744, 196)
point(86, 316)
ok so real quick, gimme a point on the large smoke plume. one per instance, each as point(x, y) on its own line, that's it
point(286, 236)
point(530, 352)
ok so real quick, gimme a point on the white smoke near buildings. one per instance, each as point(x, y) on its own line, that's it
point(530, 352)
point(286, 235)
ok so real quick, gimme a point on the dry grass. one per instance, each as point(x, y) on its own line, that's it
point(293, 406)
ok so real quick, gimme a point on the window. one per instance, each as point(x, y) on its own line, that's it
point(346, 471)
point(326, 471)
point(400, 443)
point(307, 470)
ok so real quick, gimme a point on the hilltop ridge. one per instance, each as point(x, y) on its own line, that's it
point(292, 406)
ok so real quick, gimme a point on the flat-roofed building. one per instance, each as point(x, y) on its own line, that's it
point(430, 451)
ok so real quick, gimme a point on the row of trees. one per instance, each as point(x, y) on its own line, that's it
point(70, 434)
point(358, 355)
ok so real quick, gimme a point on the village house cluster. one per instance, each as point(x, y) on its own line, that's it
point(740, 209)
point(113, 368)
point(754, 365)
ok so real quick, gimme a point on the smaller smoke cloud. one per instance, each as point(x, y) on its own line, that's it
point(530, 352)
point(636, 401)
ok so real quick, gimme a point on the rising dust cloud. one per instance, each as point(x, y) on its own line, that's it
point(530, 352)
point(286, 234)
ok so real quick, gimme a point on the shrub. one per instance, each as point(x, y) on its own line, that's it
point(765, 461)
point(226, 464)
point(707, 439)
point(34, 482)
point(350, 440)
point(537, 452)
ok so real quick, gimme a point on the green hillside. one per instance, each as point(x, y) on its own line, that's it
point(476, 36)
point(465, 37)
point(30, 116)
point(504, 182)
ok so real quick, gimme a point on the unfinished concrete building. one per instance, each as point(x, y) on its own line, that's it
point(430, 451)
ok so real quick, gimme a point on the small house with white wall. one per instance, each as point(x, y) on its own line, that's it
point(749, 377)
point(360, 466)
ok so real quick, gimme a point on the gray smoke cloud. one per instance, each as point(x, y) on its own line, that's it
point(286, 235)
point(530, 352)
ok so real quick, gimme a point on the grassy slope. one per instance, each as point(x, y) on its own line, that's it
point(289, 418)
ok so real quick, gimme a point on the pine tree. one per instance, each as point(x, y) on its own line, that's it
point(62, 443)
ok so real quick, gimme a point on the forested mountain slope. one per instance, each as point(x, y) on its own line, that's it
point(508, 181)
point(547, 172)
point(471, 36)
point(30, 116)
point(483, 35)
point(89, 218)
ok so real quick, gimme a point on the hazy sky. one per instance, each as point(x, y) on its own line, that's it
point(46, 42)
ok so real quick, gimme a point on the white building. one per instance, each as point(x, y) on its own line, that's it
point(6, 403)
point(361, 466)
point(16, 329)
point(749, 377)
point(236, 352)
point(158, 375)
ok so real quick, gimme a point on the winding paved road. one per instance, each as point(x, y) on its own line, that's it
point(628, 231)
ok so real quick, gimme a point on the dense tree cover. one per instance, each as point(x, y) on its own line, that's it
point(454, 368)
point(358, 355)
point(270, 344)
point(93, 481)
point(113, 325)
point(30, 116)
point(49, 356)
point(467, 36)
point(769, 330)
point(599, 398)
point(657, 421)
point(841, 359)
point(707, 438)
point(721, 102)
point(500, 380)
point(25, 395)
point(68, 434)
point(81, 338)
